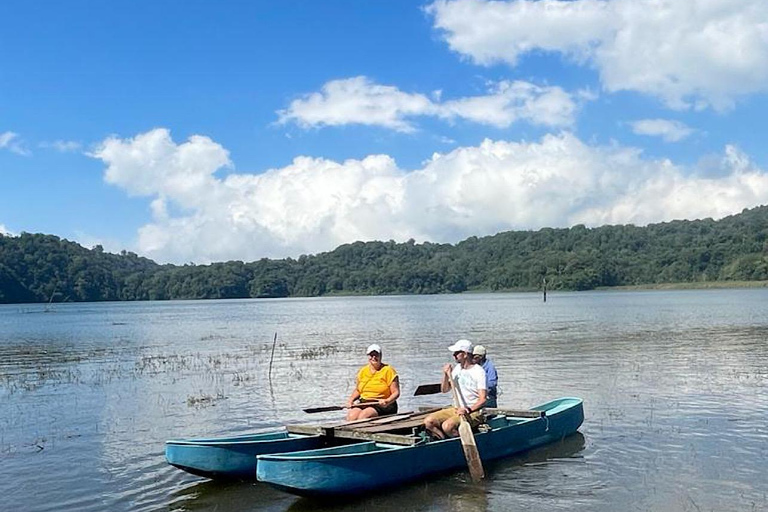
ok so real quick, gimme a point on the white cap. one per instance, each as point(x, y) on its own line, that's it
point(374, 347)
point(461, 346)
point(478, 350)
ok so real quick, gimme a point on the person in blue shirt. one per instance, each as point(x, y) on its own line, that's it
point(491, 376)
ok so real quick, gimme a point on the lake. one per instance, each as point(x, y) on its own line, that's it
point(674, 386)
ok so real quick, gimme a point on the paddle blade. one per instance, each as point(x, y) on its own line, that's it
point(470, 451)
point(328, 408)
point(468, 444)
point(427, 389)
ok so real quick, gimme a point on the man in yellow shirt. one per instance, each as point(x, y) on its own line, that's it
point(375, 381)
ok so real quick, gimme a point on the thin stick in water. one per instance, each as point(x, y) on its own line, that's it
point(274, 342)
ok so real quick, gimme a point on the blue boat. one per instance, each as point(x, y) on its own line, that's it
point(375, 464)
point(234, 457)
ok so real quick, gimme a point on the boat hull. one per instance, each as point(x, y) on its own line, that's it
point(373, 465)
point(233, 457)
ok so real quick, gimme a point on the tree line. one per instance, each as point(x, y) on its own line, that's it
point(43, 268)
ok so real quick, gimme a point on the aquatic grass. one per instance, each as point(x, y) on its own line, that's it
point(204, 400)
point(27, 369)
point(318, 352)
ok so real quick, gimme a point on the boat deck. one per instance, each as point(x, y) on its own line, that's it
point(402, 429)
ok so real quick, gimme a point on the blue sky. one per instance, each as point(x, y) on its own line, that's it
point(208, 131)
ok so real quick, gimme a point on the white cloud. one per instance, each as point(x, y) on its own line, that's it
point(360, 101)
point(63, 146)
point(315, 204)
point(5, 231)
point(357, 101)
point(509, 102)
point(151, 163)
point(692, 53)
point(11, 142)
point(670, 131)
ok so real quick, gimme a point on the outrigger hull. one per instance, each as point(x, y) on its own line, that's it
point(372, 465)
point(233, 457)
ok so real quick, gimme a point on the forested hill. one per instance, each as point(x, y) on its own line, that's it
point(41, 268)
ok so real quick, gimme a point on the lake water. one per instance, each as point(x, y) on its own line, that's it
point(674, 386)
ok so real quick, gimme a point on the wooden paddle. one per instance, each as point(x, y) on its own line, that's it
point(468, 439)
point(364, 403)
point(427, 389)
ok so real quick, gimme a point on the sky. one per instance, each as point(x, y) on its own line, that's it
point(201, 131)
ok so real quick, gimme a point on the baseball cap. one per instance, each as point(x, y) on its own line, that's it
point(461, 346)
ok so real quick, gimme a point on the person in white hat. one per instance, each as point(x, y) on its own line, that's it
point(378, 382)
point(472, 395)
point(480, 358)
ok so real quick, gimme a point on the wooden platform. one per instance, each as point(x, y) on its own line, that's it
point(395, 429)
point(400, 428)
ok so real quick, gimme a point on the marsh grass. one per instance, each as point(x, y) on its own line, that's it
point(204, 400)
point(318, 352)
point(27, 369)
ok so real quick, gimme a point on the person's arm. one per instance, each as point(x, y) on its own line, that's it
point(355, 393)
point(482, 395)
point(394, 390)
point(354, 396)
point(445, 384)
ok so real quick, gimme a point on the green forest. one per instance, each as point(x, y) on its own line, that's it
point(45, 268)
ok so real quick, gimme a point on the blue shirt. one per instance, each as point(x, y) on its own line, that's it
point(491, 379)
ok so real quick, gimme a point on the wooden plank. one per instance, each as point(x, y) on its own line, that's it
point(528, 413)
point(490, 411)
point(304, 429)
point(381, 437)
point(410, 423)
point(366, 420)
point(393, 422)
point(413, 420)
point(431, 408)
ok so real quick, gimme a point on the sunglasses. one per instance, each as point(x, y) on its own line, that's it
point(458, 352)
point(374, 354)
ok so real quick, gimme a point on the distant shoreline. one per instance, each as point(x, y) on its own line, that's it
point(700, 285)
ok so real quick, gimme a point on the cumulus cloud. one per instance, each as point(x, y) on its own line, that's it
point(5, 231)
point(690, 54)
point(358, 100)
point(12, 142)
point(670, 131)
point(314, 204)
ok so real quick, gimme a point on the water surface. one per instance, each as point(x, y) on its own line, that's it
point(674, 384)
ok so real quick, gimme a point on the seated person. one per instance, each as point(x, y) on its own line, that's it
point(479, 356)
point(472, 393)
point(375, 381)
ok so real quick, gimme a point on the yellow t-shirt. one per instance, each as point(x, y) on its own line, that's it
point(375, 386)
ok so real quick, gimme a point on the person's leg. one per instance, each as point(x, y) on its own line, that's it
point(353, 413)
point(451, 426)
point(368, 412)
point(434, 421)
